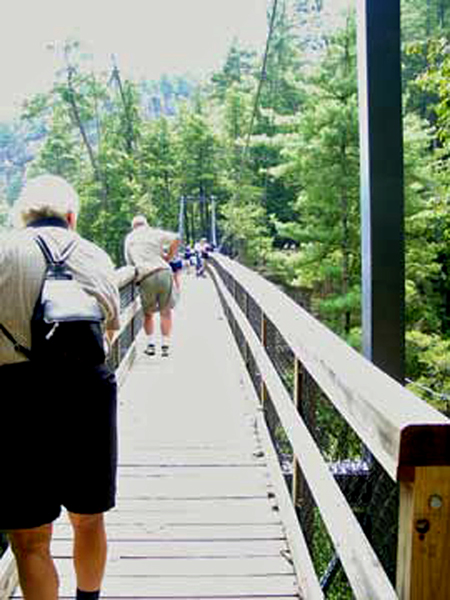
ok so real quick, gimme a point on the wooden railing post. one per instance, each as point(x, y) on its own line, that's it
point(234, 294)
point(246, 350)
point(301, 496)
point(424, 535)
point(298, 390)
point(263, 392)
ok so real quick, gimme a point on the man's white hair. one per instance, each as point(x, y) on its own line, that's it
point(138, 220)
point(45, 196)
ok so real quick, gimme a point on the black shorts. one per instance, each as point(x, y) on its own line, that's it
point(58, 435)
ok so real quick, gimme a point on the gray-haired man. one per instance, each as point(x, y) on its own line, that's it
point(150, 249)
point(58, 422)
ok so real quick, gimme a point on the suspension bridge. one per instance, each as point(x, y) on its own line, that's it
point(225, 490)
point(229, 486)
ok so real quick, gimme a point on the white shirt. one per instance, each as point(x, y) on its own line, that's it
point(144, 247)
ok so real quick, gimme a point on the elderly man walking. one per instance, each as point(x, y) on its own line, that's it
point(150, 250)
point(58, 419)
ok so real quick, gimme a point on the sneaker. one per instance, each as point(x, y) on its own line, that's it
point(165, 351)
point(150, 350)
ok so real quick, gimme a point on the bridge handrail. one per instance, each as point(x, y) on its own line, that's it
point(121, 357)
point(409, 438)
point(393, 423)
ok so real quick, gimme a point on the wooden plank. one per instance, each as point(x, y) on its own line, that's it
point(197, 518)
point(163, 464)
point(215, 482)
point(363, 569)
point(186, 587)
point(191, 567)
point(424, 538)
point(139, 459)
point(252, 510)
point(153, 597)
point(163, 531)
point(378, 408)
point(254, 472)
point(183, 549)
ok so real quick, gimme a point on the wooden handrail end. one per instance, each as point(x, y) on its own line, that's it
point(423, 446)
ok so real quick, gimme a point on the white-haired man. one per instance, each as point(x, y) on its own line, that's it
point(58, 421)
point(150, 250)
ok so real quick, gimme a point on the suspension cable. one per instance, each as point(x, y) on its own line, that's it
point(262, 78)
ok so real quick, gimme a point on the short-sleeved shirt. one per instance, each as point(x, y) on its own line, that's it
point(22, 269)
point(143, 249)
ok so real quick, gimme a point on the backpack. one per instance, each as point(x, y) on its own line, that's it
point(66, 324)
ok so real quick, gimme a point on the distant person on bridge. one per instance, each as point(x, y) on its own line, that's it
point(201, 249)
point(145, 249)
point(176, 264)
point(58, 423)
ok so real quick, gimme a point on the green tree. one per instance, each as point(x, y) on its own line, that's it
point(197, 151)
point(322, 162)
point(238, 67)
point(159, 169)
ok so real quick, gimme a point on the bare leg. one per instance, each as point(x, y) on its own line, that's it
point(37, 573)
point(149, 324)
point(89, 551)
point(166, 322)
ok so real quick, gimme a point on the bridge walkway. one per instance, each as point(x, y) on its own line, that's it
point(197, 514)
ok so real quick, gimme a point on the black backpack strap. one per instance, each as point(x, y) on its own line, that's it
point(49, 256)
point(17, 347)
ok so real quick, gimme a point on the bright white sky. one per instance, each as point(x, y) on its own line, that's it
point(149, 38)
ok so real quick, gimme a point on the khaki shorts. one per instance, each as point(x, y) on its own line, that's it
point(157, 291)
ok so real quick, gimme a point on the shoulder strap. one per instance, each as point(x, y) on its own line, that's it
point(17, 347)
point(50, 257)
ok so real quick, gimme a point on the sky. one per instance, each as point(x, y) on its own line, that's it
point(148, 38)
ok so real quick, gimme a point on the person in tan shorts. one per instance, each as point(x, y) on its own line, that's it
point(145, 250)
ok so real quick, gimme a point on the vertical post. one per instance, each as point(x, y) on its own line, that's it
point(380, 117)
point(263, 392)
point(213, 222)
point(193, 227)
point(181, 218)
point(382, 215)
point(301, 496)
point(298, 389)
point(424, 539)
point(246, 346)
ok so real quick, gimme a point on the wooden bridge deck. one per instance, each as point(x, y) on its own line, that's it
point(197, 515)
